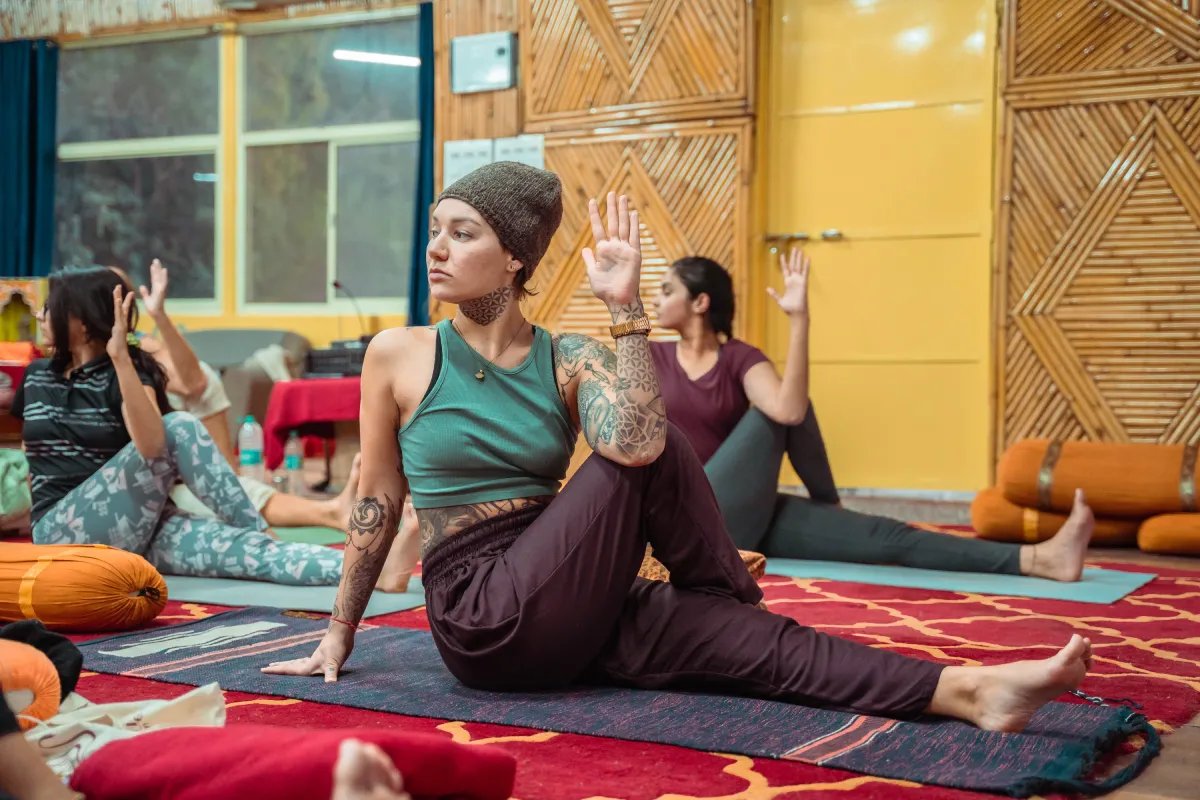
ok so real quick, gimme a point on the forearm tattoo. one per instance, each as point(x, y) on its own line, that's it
point(620, 405)
point(438, 524)
point(489, 308)
point(373, 525)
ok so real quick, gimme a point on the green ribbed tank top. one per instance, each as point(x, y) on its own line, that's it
point(501, 438)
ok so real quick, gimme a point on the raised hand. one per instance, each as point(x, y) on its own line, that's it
point(155, 297)
point(327, 660)
point(118, 343)
point(615, 267)
point(794, 300)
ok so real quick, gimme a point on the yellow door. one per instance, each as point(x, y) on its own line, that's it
point(879, 126)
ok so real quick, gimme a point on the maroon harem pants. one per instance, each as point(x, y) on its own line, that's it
point(544, 598)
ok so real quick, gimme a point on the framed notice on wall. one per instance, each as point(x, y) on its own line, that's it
point(483, 63)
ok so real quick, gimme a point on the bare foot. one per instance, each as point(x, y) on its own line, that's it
point(1008, 695)
point(1060, 558)
point(339, 508)
point(364, 772)
point(402, 558)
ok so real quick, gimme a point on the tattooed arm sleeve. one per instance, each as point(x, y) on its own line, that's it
point(620, 407)
point(381, 486)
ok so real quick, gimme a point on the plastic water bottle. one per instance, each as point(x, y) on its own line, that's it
point(250, 449)
point(293, 463)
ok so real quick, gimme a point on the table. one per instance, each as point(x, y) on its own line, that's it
point(296, 403)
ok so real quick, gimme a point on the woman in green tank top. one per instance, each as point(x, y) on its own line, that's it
point(529, 588)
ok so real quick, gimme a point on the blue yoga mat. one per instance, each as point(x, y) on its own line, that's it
point(1097, 585)
point(226, 592)
point(398, 670)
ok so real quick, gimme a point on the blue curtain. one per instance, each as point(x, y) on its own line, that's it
point(418, 281)
point(28, 102)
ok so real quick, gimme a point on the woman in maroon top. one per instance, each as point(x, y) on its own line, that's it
point(741, 416)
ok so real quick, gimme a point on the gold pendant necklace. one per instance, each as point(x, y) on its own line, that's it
point(479, 374)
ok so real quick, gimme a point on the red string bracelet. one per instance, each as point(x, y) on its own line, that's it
point(347, 623)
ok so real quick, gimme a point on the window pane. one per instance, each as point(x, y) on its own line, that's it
point(138, 90)
point(286, 223)
point(375, 217)
point(126, 212)
point(294, 80)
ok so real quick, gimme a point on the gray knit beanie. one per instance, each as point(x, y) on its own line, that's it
point(523, 204)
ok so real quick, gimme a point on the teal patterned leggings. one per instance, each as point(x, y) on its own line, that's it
point(126, 504)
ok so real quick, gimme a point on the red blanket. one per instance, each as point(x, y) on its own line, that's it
point(273, 763)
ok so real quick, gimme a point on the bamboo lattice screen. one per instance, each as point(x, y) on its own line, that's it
point(647, 97)
point(1098, 236)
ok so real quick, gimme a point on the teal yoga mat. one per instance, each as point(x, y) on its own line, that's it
point(1097, 586)
point(227, 592)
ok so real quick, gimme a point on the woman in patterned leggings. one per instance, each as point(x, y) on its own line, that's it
point(105, 451)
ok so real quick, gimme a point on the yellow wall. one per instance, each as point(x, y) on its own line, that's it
point(879, 123)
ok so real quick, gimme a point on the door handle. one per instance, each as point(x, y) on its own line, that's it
point(774, 239)
point(832, 235)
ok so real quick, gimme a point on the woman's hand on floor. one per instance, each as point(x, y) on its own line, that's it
point(327, 660)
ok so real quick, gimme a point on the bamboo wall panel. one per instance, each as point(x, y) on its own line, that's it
point(482, 115)
point(690, 184)
point(590, 62)
point(1098, 272)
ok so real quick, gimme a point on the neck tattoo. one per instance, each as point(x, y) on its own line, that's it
point(489, 308)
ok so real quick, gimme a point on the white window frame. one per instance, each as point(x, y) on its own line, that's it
point(189, 145)
point(334, 136)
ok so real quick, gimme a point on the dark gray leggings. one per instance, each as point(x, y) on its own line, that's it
point(744, 473)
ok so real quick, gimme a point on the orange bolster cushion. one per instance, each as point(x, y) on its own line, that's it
point(995, 518)
point(79, 587)
point(1171, 533)
point(1120, 480)
point(30, 681)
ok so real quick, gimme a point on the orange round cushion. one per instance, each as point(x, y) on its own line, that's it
point(995, 518)
point(30, 681)
point(1120, 480)
point(79, 587)
point(1171, 533)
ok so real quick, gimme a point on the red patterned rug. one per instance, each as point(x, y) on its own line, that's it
point(1145, 649)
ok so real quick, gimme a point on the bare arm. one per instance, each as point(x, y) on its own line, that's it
point(620, 408)
point(618, 401)
point(382, 487)
point(786, 400)
point(376, 515)
point(139, 407)
point(188, 379)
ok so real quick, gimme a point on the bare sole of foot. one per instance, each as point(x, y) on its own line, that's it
point(340, 507)
point(364, 772)
point(1010, 694)
point(1060, 558)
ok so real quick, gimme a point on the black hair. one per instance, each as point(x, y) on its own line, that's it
point(702, 275)
point(86, 293)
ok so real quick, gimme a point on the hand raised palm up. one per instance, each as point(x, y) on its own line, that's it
point(615, 267)
point(118, 342)
point(156, 296)
point(794, 267)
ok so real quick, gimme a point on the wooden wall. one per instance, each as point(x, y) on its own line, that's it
point(1098, 229)
point(653, 98)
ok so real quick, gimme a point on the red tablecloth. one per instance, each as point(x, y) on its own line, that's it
point(299, 402)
